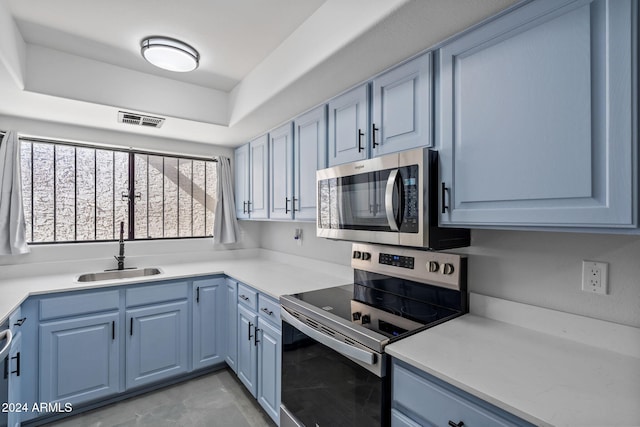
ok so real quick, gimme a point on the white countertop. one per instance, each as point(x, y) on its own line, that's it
point(559, 369)
point(269, 272)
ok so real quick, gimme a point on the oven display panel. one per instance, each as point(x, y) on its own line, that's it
point(397, 260)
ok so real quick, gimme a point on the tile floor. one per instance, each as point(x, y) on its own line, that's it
point(213, 400)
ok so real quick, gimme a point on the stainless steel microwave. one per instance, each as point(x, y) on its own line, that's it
point(390, 200)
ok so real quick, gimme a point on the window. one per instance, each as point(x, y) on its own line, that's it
point(75, 193)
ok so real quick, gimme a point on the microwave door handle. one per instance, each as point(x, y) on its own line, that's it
point(388, 200)
point(343, 348)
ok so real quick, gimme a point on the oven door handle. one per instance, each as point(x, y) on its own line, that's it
point(388, 200)
point(339, 346)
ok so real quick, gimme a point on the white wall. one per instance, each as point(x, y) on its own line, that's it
point(278, 236)
point(545, 269)
point(61, 131)
point(81, 252)
point(532, 267)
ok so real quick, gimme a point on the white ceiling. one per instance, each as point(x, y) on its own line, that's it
point(233, 36)
point(78, 62)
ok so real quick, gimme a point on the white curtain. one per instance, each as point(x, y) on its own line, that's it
point(225, 224)
point(12, 226)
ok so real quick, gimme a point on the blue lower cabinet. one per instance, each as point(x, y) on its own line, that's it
point(247, 367)
point(208, 318)
point(14, 381)
point(156, 343)
point(231, 326)
point(259, 356)
point(418, 398)
point(79, 358)
point(269, 367)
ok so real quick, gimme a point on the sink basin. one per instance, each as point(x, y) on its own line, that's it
point(118, 274)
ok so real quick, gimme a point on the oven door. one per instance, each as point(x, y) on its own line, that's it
point(322, 386)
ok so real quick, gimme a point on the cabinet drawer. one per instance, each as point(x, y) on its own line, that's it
point(269, 309)
point(248, 297)
point(153, 293)
point(438, 404)
point(77, 304)
point(398, 419)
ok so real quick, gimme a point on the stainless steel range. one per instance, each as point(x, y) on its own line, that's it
point(334, 369)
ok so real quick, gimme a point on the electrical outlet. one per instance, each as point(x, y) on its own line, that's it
point(594, 277)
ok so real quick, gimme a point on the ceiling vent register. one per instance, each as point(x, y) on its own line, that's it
point(139, 119)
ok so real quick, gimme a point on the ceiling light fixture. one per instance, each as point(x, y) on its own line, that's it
point(170, 54)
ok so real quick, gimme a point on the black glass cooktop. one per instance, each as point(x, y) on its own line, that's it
point(418, 302)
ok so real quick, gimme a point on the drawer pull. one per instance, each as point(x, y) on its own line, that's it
point(452, 424)
point(266, 310)
point(19, 322)
point(244, 297)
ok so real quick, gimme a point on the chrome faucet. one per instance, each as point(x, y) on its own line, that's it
point(120, 257)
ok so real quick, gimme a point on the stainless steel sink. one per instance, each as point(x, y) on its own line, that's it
point(118, 274)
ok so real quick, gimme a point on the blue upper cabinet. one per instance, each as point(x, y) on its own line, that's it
point(310, 154)
point(401, 118)
point(536, 111)
point(281, 172)
point(241, 171)
point(349, 126)
point(258, 178)
point(251, 179)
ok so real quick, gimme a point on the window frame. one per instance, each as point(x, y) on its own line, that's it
point(131, 154)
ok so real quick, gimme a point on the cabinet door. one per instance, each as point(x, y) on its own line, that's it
point(80, 358)
point(241, 172)
point(232, 324)
point(536, 112)
point(156, 343)
point(348, 126)
point(13, 373)
point(247, 349)
point(259, 178)
point(402, 107)
point(269, 368)
point(208, 319)
point(281, 172)
point(310, 154)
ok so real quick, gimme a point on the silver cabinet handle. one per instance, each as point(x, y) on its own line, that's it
point(266, 310)
point(5, 335)
point(339, 346)
point(388, 200)
point(243, 297)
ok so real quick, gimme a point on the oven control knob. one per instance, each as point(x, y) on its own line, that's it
point(366, 256)
point(366, 319)
point(356, 316)
point(433, 266)
point(357, 254)
point(447, 269)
